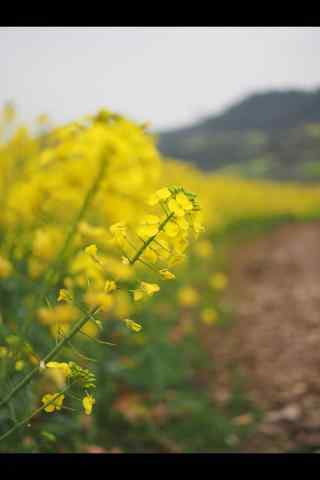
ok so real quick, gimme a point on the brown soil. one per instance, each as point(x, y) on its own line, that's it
point(274, 338)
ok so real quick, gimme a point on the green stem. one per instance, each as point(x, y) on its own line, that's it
point(77, 326)
point(147, 243)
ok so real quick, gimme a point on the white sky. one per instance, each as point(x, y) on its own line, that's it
point(166, 75)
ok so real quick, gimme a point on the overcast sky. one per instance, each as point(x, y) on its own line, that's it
point(166, 75)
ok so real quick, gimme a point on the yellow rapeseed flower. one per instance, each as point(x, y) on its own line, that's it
point(63, 366)
point(150, 255)
point(55, 405)
point(146, 231)
point(166, 274)
point(175, 208)
point(64, 295)
point(171, 229)
point(110, 286)
point(135, 327)
point(184, 202)
point(149, 288)
point(162, 194)
point(91, 250)
point(88, 401)
point(138, 294)
point(149, 226)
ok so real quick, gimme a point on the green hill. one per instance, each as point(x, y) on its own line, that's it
point(273, 134)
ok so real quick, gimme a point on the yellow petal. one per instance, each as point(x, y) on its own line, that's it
point(150, 255)
point(153, 200)
point(151, 220)
point(171, 229)
point(166, 274)
point(91, 250)
point(183, 201)
point(163, 193)
point(135, 327)
point(150, 288)
point(110, 286)
point(88, 401)
point(175, 208)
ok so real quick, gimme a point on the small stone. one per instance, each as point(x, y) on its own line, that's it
point(291, 412)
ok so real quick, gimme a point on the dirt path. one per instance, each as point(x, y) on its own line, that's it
point(275, 336)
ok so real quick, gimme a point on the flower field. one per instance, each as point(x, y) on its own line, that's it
point(113, 260)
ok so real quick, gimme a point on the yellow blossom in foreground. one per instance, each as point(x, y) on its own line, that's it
point(171, 229)
point(135, 327)
point(55, 405)
point(183, 224)
point(149, 226)
point(219, 281)
point(166, 274)
point(162, 194)
point(209, 316)
point(188, 296)
point(63, 366)
point(110, 286)
point(5, 268)
point(175, 208)
point(150, 255)
point(149, 288)
point(183, 201)
point(88, 401)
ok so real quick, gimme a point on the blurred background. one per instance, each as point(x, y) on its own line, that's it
point(195, 85)
point(229, 359)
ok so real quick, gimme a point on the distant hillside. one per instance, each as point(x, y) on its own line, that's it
point(273, 134)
